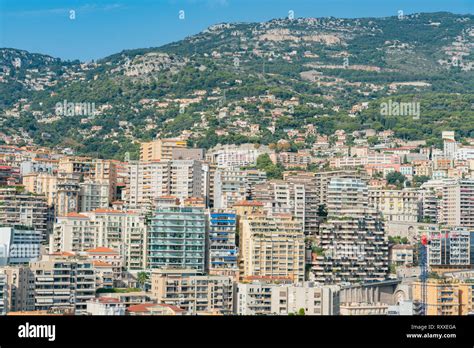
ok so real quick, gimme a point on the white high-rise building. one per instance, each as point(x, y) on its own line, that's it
point(236, 155)
point(457, 203)
point(266, 298)
point(449, 144)
point(232, 185)
point(122, 231)
point(93, 195)
point(19, 245)
point(449, 247)
point(346, 193)
point(148, 181)
point(179, 178)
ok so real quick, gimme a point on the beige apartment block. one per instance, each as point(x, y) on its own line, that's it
point(193, 292)
point(396, 205)
point(160, 149)
point(446, 296)
point(272, 246)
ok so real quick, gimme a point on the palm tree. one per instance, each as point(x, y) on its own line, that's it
point(142, 278)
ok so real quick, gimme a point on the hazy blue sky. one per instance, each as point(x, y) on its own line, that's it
point(105, 27)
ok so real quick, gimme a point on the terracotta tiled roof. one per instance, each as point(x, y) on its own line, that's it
point(143, 307)
point(75, 215)
point(101, 264)
point(102, 250)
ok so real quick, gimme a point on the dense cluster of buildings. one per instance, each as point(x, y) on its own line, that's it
point(183, 231)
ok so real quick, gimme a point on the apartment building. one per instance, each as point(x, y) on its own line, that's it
point(189, 178)
point(9, 175)
point(41, 184)
point(445, 296)
point(160, 149)
point(324, 178)
point(369, 159)
point(223, 251)
point(129, 299)
point(122, 231)
point(63, 281)
point(312, 298)
point(111, 228)
point(449, 144)
point(38, 165)
point(105, 275)
point(290, 196)
point(105, 172)
point(109, 258)
point(300, 159)
point(429, 205)
point(105, 306)
point(73, 232)
point(19, 288)
point(67, 193)
point(457, 205)
point(265, 297)
point(148, 181)
point(94, 195)
point(236, 155)
point(449, 247)
point(253, 298)
point(353, 245)
point(354, 248)
point(178, 238)
point(80, 166)
point(135, 241)
point(179, 178)
point(19, 245)
point(281, 197)
point(396, 205)
point(232, 185)
point(346, 193)
point(401, 254)
point(3, 294)
point(193, 292)
point(272, 246)
point(464, 153)
point(18, 208)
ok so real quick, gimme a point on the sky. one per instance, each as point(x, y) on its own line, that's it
point(93, 29)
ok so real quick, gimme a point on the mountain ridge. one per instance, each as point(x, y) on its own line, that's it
point(333, 62)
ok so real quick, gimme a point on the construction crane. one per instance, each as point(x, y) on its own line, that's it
point(424, 273)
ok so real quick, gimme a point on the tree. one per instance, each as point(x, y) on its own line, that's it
point(318, 250)
point(372, 140)
point(264, 161)
point(142, 279)
point(274, 171)
point(301, 312)
point(322, 211)
point(396, 178)
point(418, 180)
